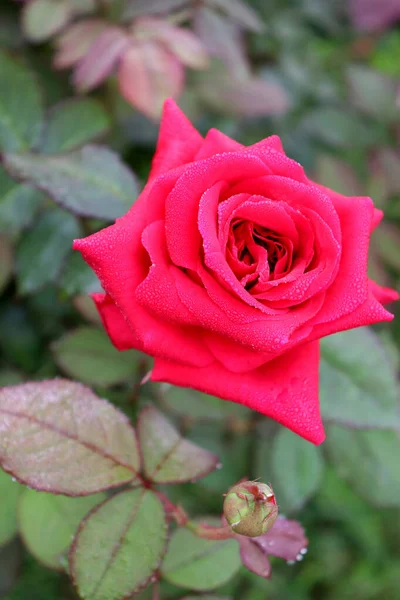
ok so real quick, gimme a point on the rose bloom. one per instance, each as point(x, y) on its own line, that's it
point(231, 266)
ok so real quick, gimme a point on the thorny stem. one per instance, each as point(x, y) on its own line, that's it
point(208, 532)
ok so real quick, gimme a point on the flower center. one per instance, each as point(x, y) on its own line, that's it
point(257, 253)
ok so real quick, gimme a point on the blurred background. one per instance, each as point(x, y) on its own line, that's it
point(322, 74)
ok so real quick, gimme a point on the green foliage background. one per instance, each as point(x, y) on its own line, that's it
point(343, 125)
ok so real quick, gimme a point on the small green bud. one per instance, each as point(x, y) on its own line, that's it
point(250, 508)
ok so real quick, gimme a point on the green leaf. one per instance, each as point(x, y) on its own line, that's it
point(337, 175)
point(43, 18)
point(87, 354)
point(9, 493)
point(42, 251)
point(119, 546)
point(338, 128)
point(296, 470)
point(18, 204)
point(21, 111)
point(48, 523)
point(167, 457)
point(91, 182)
point(353, 391)
point(196, 405)
point(241, 13)
point(372, 92)
point(58, 436)
point(6, 261)
point(200, 564)
point(74, 123)
point(368, 461)
point(78, 277)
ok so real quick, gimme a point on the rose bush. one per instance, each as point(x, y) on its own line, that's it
point(231, 266)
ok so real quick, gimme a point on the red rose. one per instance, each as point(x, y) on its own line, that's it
point(230, 267)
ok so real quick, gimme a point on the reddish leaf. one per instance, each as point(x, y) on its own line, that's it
point(58, 436)
point(182, 42)
point(221, 39)
point(253, 558)
point(101, 58)
point(74, 43)
point(167, 457)
point(148, 75)
point(373, 15)
point(285, 540)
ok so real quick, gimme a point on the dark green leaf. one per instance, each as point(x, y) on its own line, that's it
point(241, 13)
point(78, 277)
point(167, 457)
point(18, 204)
point(296, 470)
point(10, 491)
point(87, 354)
point(200, 564)
point(353, 391)
point(369, 462)
point(42, 251)
point(48, 523)
point(58, 436)
point(338, 128)
point(195, 405)
point(92, 181)
point(6, 261)
point(119, 546)
point(20, 107)
point(372, 92)
point(73, 124)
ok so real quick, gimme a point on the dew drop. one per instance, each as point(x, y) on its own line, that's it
point(219, 466)
point(303, 551)
point(299, 557)
point(13, 479)
point(290, 562)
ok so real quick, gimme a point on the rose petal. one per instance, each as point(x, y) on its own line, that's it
point(178, 141)
point(183, 237)
point(285, 389)
point(115, 323)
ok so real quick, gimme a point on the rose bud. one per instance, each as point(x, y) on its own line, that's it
point(250, 508)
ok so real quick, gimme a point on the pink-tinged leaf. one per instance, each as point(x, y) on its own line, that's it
point(167, 457)
point(148, 75)
point(238, 11)
point(136, 8)
point(253, 558)
point(251, 97)
point(101, 58)
point(58, 436)
point(43, 18)
point(221, 39)
point(73, 44)
point(374, 15)
point(182, 42)
point(285, 540)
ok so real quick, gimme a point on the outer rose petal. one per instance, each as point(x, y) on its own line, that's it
point(115, 323)
point(178, 141)
point(383, 294)
point(217, 142)
point(285, 389)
